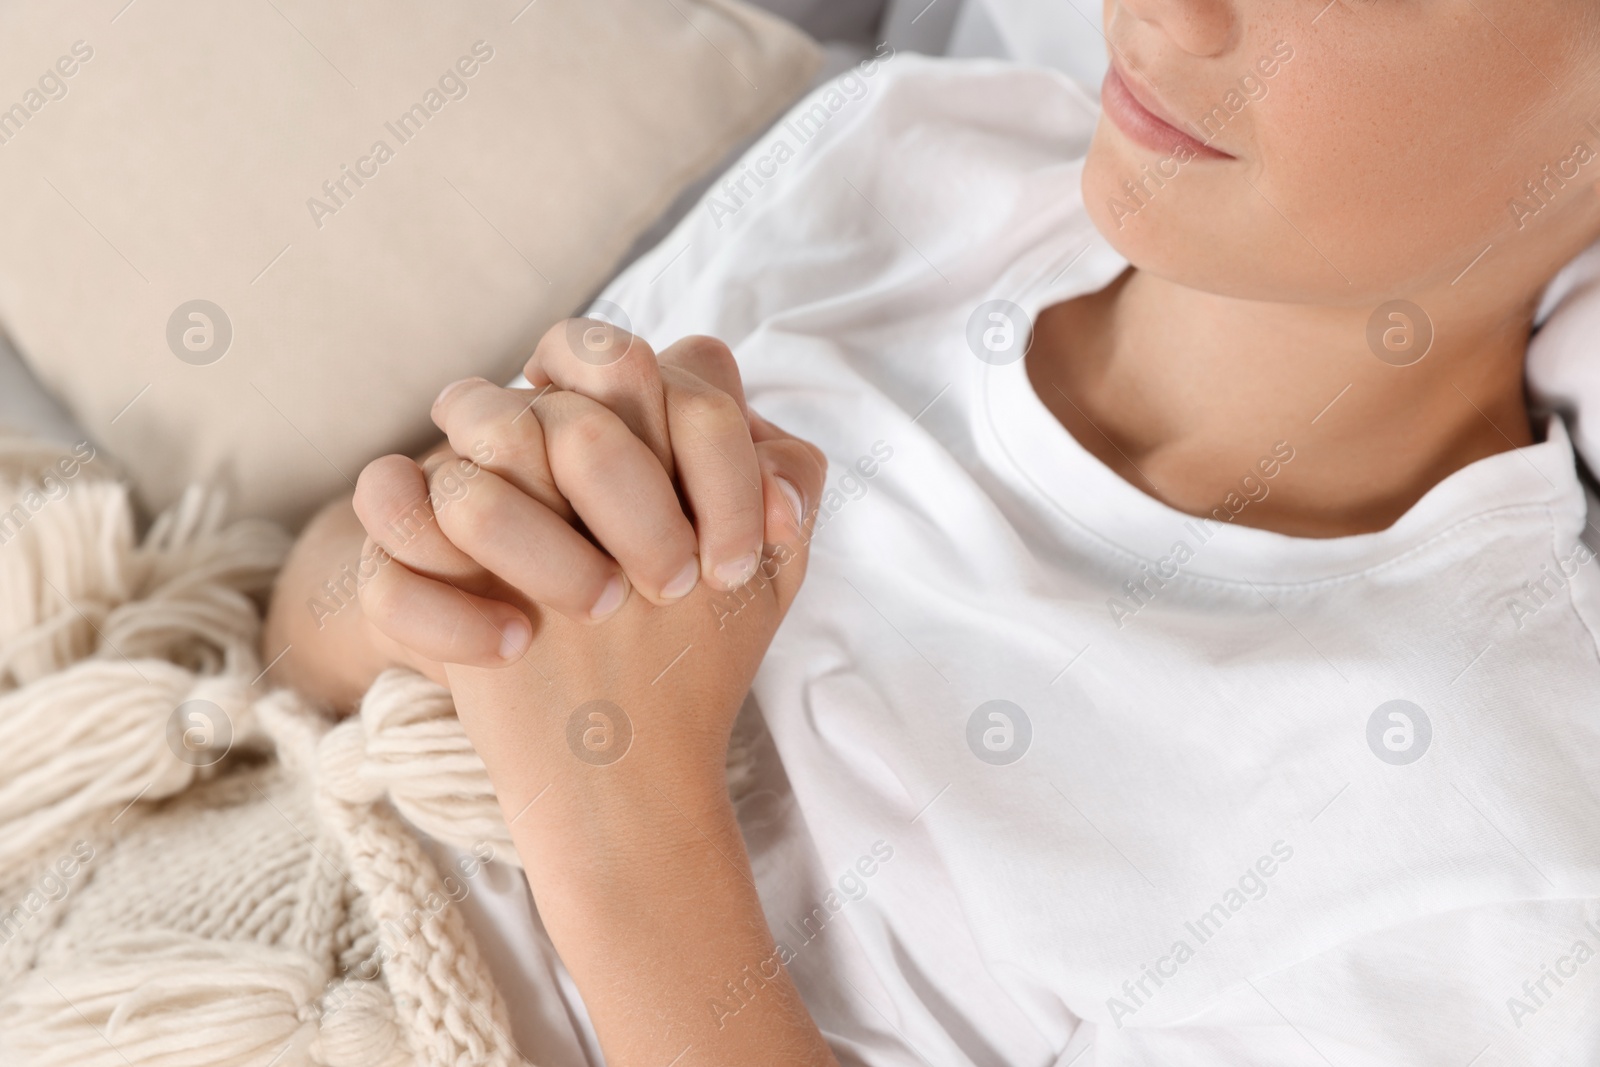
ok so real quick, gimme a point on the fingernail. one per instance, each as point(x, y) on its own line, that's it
point(611, 598)
point(447, 390)
point(792, 495)
point(514, 639)
point(680, 585)
point(735, 574)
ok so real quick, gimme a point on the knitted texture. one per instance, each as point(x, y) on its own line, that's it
point(270, 908)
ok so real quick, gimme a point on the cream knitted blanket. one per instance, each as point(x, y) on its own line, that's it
point(266, 907)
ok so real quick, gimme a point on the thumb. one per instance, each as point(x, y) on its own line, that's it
point(792, 476)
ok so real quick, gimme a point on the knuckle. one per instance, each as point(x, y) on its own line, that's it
point(509, 444)
point(557, 348)
point(637, 374)
point(636, 351)
point(468, 521)
point(398, 527)
point(589, 430)
point(552, 345)
point(383, 486)
point(554, 408)
point(450, 482)
point(404, 527)
point(365, 503)
point(714, 413)
point(703, 350)
point(383, 597)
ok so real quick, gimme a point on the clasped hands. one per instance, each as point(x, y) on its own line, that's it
point(626, 531)
point(595, 567)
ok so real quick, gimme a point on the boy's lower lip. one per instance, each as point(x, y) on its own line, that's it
point(1143, 126)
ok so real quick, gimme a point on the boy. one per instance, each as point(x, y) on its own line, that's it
point(1159, 695)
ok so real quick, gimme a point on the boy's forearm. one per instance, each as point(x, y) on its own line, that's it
point(639, 872)
point(647, 893)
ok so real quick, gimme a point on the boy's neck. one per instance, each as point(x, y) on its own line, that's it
point(1182, 392)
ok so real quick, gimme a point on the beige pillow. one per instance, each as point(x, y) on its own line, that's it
point(250, 241)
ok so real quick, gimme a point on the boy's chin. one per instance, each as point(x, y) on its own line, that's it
point(1162, 239)
point(1210, 231)
point(1148, 223)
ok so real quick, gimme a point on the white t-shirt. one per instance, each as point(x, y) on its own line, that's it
point(1058, 775)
